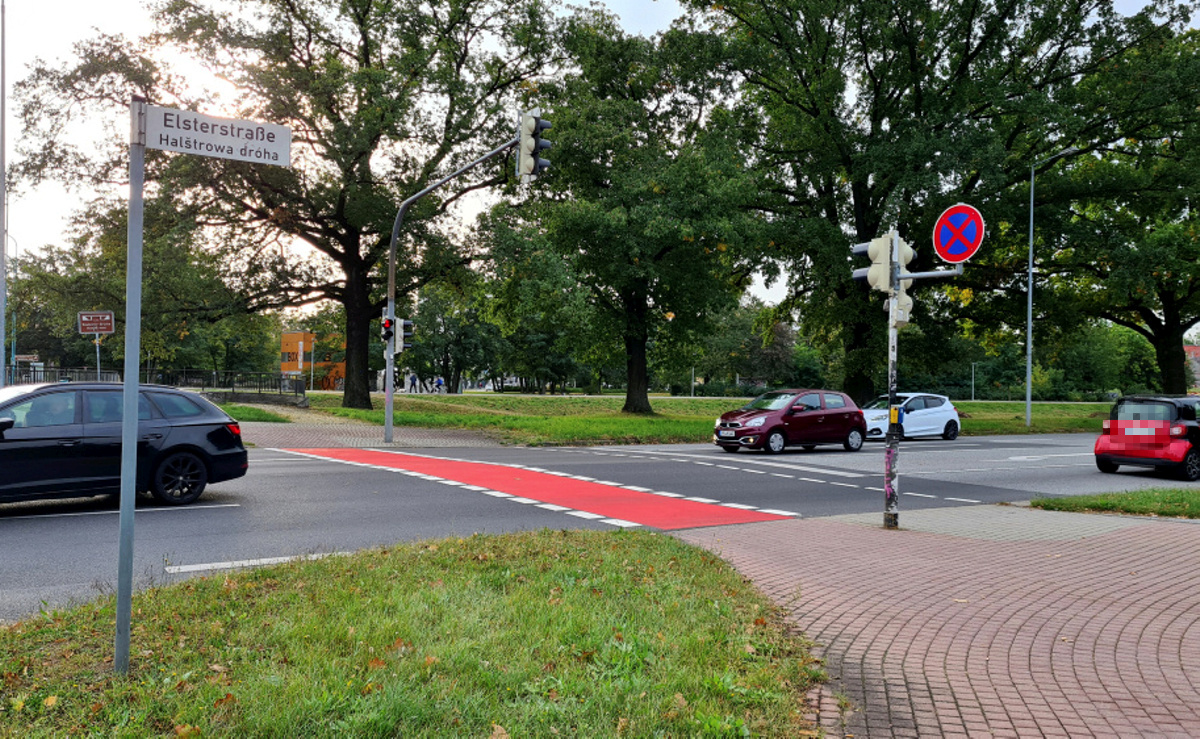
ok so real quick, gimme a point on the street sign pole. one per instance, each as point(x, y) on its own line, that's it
point(133, 350)
point(891, 493)
point(96, 341)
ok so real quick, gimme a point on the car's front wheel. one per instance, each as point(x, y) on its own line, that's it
point(775, 442)
point(854, 440)
point(1106, 466)
point(179, 479)
point(1190, 469)
point(950, 433)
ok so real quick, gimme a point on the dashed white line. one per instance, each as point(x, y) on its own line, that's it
point(963, 500)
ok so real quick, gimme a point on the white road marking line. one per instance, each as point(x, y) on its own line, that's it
point(666, 494)
point(844, 485)
point(636, 489)
point(517, 499)
point(619, 522)
point(963, 500)
point(765, 463)
point(755, 472)
point(584, 514)
point(777, 474)
point(778, 512)
point(702, 500)
point(810, 479)
point(552, 507)
point(920, 495)
point(114, 512)
point(495, 493)
point(741, 506)
point(239, 563)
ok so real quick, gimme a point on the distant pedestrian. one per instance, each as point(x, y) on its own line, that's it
point(412, 383)
point(439, 385)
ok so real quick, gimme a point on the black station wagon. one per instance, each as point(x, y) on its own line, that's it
point(64, 440)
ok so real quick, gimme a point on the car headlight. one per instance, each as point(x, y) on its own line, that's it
point(717, 422)
point(756, 422)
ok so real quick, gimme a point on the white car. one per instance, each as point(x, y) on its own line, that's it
point(924, 415)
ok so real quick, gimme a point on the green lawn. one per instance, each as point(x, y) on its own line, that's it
point(559, 420)
point(1166, 502)
point(548, 633)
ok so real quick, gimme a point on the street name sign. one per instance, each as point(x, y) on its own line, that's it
point(225, 138)
point(96, 322)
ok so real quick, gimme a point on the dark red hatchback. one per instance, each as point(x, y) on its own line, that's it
point(1152, 431)
point(783, 418)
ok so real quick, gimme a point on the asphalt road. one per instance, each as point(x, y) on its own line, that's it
point(54, 554)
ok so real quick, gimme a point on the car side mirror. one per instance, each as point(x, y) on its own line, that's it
point(6, 424)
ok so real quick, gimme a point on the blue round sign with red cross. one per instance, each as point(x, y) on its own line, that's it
point(958, 233)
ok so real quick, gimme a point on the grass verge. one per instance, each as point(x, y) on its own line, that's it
point(1166, 502)
point(251, 413)
point(562, 420)
point(536, 634)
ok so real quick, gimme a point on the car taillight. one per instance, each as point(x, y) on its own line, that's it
point(1106, 426)
point(1178, 431)
point(234, 428)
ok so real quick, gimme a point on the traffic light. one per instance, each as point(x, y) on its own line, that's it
point(879, 274)
point(903, 302)
point(531, 144)
point(387, 328)
point(406, 334)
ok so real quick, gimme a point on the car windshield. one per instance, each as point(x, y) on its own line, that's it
point(880, 403)
point(770, 402)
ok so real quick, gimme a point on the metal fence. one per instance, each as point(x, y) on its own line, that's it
point(261, 383)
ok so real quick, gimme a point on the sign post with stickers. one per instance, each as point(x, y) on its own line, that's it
point(187, 132)
point(96, 322)
point(956, 237)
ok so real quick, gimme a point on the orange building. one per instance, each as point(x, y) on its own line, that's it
point(296, 359)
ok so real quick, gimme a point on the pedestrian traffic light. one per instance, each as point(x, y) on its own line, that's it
point(531, 144)
point(879, 274)
point(386, 329)
point(406, 334)
point(904, 303)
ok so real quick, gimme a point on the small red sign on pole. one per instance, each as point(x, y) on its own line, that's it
point(96, 322)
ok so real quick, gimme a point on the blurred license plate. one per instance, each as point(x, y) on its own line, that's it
point(727, 433)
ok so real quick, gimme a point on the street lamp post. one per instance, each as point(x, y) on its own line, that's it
point(973, 379)
point(1029, 290)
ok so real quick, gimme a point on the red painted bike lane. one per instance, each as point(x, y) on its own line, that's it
point(646, 509)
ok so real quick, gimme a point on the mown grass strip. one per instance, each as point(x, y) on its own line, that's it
point(551, 632)
point(526, 419)
point(251, 413)
point(1165, 502)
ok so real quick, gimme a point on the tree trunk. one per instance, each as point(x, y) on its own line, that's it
point(637, 399)
point(357, 300)
point(1169, 351)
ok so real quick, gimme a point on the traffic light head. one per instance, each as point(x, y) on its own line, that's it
point(879, 274)
point(904, 303)
point(531, 145)
point(406, 334)
point(387, 328)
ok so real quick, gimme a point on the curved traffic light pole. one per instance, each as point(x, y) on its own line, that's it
point(389, 348)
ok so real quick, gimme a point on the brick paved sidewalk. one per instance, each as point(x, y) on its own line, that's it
point(989, 621)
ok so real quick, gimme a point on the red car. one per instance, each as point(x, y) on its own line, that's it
point(783, 418)
point(1151, 431)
